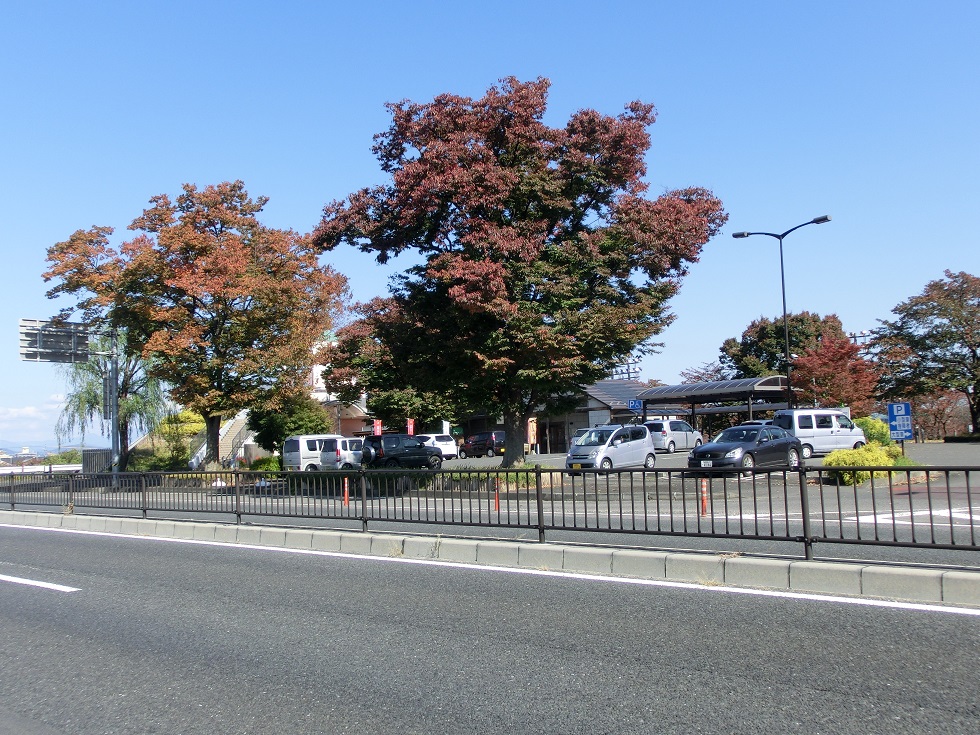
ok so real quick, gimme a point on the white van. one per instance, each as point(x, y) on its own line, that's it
point(302, 452)
point(821, 430)
point(613, 446)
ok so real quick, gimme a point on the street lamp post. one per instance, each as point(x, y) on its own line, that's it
point(782, 279)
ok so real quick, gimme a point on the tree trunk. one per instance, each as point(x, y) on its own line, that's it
point(515, 428)
point(123, 446)
point(213, 426)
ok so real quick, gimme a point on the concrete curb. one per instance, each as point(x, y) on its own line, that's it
point(906, 583)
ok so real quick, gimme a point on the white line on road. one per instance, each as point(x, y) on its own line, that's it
point(36, 583)
point(784, 594)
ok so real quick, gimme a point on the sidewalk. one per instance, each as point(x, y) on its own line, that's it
point(894, 582)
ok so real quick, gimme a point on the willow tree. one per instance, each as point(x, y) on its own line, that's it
point(224, 309)
point(543, 262)
point(142, 398)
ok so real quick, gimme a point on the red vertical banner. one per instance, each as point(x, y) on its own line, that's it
point(411, 427)
point(377, 427)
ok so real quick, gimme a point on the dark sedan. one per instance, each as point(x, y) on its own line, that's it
point(748, 446)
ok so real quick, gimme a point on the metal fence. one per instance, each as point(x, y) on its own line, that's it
point(935, 507)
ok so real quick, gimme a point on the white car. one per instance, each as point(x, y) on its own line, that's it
point(445, 443)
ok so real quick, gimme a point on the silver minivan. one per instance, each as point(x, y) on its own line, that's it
point(302, 451)
point(341, 453)
point(670, 435)
point(612, 446)
point(821, 430)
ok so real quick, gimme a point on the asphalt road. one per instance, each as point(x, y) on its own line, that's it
point(166, 637)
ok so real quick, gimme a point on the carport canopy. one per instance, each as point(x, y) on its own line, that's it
point(755, 393)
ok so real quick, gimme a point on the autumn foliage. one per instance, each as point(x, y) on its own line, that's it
point(544, 263)
point(224, 309)
point(835, 374)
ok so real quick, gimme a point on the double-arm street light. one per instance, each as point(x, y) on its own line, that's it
point(782, 278)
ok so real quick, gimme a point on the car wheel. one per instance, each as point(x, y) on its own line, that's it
point(391, 463)
point(697, 443)
point(606, 464)
point(748, 462)
point(858, 445)
point(490, 452)
point(435, 462)
point(650, 462)
point(346, 466)
point(311, 468)
point(793, 459)
point(462, 454)
point(807, 451)
point(670, 447)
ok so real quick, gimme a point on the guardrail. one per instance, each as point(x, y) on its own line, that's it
point(933, 507)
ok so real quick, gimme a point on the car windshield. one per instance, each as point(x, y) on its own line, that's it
point(738, 434)
point(594, 438)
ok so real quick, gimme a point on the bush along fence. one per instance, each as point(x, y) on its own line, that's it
point(934, 507)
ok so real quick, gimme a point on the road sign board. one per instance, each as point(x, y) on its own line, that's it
point(900, 421)
point(635, 405)
point(46, 341)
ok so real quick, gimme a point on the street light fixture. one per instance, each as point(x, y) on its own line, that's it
point(782, 278)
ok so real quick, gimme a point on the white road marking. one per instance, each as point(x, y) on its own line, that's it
point(784, 594)
point(36, 583)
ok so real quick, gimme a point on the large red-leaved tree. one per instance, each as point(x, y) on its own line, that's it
point(224, 309)
point(544, 263)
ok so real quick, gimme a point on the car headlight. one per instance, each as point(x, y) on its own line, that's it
point(593, 453)
point(735, 453)
point(690, 455)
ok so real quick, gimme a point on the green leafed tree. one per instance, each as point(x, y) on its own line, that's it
point(933, 344)
point(298, 413)
point(223, 308)
point(543, 262)
point(142, 397)
point(761, 350)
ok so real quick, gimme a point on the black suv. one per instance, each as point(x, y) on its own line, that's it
point(485, 443)
point(399, 450)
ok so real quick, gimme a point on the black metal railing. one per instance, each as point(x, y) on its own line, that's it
point(934, 507)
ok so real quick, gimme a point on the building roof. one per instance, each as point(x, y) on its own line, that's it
point(616, 393)
point(717, 391)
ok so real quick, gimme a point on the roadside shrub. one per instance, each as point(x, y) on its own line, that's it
point(870, 455)
point(875, 430)
point(267, 464)
point(963, 439)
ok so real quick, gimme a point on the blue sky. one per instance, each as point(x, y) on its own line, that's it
point(866, 111)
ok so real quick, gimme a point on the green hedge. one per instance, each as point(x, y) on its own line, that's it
point(870, 455)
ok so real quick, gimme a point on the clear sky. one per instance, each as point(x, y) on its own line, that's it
point(865, 110)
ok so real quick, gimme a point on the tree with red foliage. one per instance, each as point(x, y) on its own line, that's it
point(223, 309)
point(544, 265)
point(834, 374)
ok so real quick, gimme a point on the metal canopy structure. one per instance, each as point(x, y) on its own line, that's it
point(754, 393)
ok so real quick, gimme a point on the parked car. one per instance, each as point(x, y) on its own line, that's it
point(612, 446)
point(821, 430)
point(341, 453)
point(445, 443)
point(757, 422)
point(303, 451)
point(483, 444)
point(748, 446)
point(399, 450)
point(673, 434)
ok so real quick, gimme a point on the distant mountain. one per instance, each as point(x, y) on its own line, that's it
point(44, 447)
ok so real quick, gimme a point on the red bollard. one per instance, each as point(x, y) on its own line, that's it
point(704, 497)
point(346, 493)
point(496, 493)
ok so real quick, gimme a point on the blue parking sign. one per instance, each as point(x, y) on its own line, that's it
point(900, 421)
point(635, 404)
